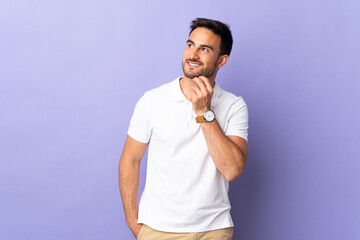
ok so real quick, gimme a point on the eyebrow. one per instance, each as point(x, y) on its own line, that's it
point(203, 45)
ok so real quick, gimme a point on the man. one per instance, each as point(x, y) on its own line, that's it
point(197, 137)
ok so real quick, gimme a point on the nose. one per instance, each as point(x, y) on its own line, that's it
point(194, 54)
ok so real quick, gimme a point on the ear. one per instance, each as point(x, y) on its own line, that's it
point(222, 60)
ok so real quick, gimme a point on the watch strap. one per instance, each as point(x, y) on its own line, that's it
point(200, 119)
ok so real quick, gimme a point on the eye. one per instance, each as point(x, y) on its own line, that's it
point(190, 45)
point(205, 50)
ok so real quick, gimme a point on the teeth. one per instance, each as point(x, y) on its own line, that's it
point(193, 64)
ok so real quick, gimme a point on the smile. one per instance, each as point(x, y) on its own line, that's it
point(193, 64)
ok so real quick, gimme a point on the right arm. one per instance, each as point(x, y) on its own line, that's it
point(129, 173)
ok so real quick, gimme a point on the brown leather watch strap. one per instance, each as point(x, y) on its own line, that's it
point(200, 119)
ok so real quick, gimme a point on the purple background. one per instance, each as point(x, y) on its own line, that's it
point(72, 71)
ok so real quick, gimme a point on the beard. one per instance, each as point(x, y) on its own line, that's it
point(206, 72)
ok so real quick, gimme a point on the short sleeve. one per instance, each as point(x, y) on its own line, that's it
point(238, 120)
point(140, 128)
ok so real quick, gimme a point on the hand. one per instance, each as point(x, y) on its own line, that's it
point(135, 228)
point(201, 94)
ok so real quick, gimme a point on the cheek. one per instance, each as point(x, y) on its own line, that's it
point(209, 61)
point(185, 56)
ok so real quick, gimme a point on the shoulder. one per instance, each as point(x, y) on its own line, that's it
point(159, 93)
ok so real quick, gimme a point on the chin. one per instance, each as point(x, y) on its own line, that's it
point(192, 74)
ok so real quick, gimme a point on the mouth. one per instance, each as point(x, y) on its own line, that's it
point(193, 64)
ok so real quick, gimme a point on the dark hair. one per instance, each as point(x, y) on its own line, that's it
point(217, 27)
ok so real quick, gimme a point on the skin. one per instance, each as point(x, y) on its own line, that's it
point(201, 62)
point(203, 47)
point(129, 173)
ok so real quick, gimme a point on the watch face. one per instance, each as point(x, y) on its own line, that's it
point(209, 115)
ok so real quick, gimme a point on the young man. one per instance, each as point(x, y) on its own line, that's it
point(197, 137)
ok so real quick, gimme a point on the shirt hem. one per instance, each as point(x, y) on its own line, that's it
point(186, 230)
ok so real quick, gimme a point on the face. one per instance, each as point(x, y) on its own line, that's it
point(201, 55)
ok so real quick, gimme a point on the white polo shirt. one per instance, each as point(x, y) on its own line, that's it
point(184, 191)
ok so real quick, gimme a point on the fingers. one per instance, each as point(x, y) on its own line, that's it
point(201, 95)
point(207, 84)
point(196, 90)
point(203, 84)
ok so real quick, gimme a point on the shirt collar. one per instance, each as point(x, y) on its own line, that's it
point(176, 93)
point(178, 96)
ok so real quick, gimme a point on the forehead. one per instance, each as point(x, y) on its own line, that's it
point(203, 36)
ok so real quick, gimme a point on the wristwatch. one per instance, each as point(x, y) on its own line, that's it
point(208, 116)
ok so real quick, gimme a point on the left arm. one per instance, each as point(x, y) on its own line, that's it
point(228, 152)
